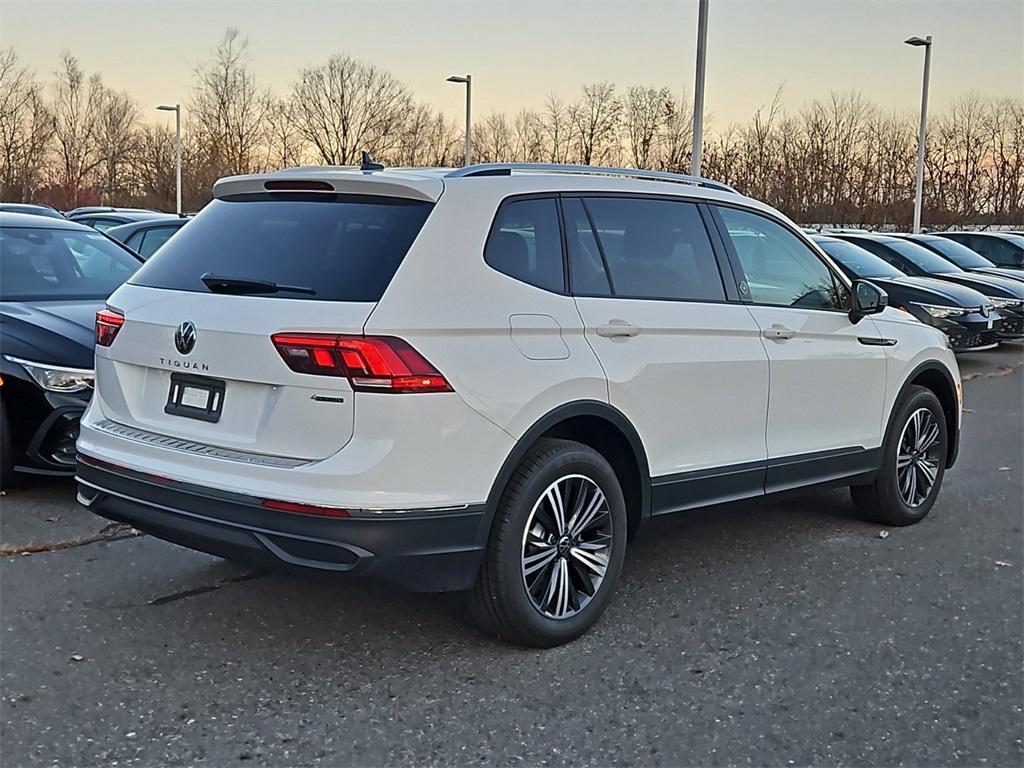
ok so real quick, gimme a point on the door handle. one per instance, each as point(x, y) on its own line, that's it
point(778, 333)
point(616, 328)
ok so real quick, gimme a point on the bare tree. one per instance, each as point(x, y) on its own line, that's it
point(77, 103)
point(286, 146)
point(229, 108)
point(116, 135)
point(645, 113)
point(344, 107)
point(26, 127)
point(595, 118)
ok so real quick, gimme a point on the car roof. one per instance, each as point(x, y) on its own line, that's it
point(513, 178)
point(132, 227)
point(129, 216)
point(878, 238)
point(86, 210)
point(11, 219)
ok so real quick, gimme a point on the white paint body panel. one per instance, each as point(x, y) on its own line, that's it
point(695, 382)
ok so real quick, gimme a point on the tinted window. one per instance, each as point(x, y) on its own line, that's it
point(346, 248)
point(922, 258)
point(135, 241)
point(38, 264)
point(587, 270)
point(959, 254)
point(526, 243)
point(656, 249)
point(780, 268)
point(858, 262)
point(101, 224)
point(154, 239)
point(1007, 252)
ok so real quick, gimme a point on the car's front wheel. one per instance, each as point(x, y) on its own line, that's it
point(556, 547)
point(913, 463)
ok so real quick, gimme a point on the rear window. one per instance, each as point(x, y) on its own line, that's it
point(343, 247)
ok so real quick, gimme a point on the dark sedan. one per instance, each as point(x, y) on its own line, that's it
point(914, 259)
point(1004, 249)
point(144, 237)
point(31, 208)
point(111, 219)
point(964, 257)
point(964, 315)
point(54, 276)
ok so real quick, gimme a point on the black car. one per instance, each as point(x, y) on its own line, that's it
point(1004, 249)
point(964, 257)
point(144, 237)
point(914, 259)
point(963, 314)
point(54, 276)
point(111, 219)
point(31, 208)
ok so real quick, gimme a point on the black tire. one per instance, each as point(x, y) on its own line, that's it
point(500, 601)
point(883, 501)
point(6, 451)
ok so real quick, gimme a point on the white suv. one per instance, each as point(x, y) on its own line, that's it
point(490, 378)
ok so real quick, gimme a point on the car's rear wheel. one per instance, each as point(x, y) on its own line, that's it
point(913, 463)
point(556, 547)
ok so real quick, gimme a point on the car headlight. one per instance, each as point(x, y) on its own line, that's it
point(54, 378)
point(1000, 303)
point(943, 312)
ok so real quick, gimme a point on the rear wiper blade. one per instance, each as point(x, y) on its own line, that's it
point(244, 285)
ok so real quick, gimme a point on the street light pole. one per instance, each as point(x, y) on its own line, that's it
point(698, 89)
point(468, 80)
point(926, 42)
point(176, 109)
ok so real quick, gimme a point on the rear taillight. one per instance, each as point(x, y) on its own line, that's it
point(108, 323)
point(370, 363)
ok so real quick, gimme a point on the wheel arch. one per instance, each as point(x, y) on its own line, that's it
point(936, 377)
point(603, 428)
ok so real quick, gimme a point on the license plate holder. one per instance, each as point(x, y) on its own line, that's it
point(195, 397)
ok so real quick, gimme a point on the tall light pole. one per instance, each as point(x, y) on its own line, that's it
point(919, 190)
point(176, 109)
point(698, 88)
point(468, 80)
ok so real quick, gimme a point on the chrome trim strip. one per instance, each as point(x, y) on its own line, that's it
point(197, 449)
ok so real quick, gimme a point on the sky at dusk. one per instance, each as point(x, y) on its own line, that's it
point(519, 52)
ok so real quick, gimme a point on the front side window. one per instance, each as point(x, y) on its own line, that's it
point(650, 248)
point(41, 264)
point(780, 269)
point(526, 243)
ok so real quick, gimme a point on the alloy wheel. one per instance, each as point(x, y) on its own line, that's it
point(566, 546)
point(917, 458)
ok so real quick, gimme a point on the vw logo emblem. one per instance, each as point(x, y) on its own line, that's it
point(185, 337)
point(984, 310)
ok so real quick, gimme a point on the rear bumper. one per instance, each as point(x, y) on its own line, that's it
point(427, 551)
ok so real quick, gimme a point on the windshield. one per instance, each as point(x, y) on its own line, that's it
point(922, 258)
point(335, 247)
point(858, 261)
point(40, 264)
point(959, 254)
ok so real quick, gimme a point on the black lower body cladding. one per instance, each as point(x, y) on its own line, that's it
point(426, 551)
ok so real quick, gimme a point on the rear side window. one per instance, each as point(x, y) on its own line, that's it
point(526, 243)
point(154, 239)
point(344, 247)
point(652, 249)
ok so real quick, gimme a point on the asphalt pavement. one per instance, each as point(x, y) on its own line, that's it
point(784, 632)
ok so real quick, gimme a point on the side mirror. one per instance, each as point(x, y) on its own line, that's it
point(866, 299)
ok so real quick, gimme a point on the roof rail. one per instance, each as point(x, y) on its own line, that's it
point(506, 169)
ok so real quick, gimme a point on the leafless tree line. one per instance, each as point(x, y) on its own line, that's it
point(73, 140)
